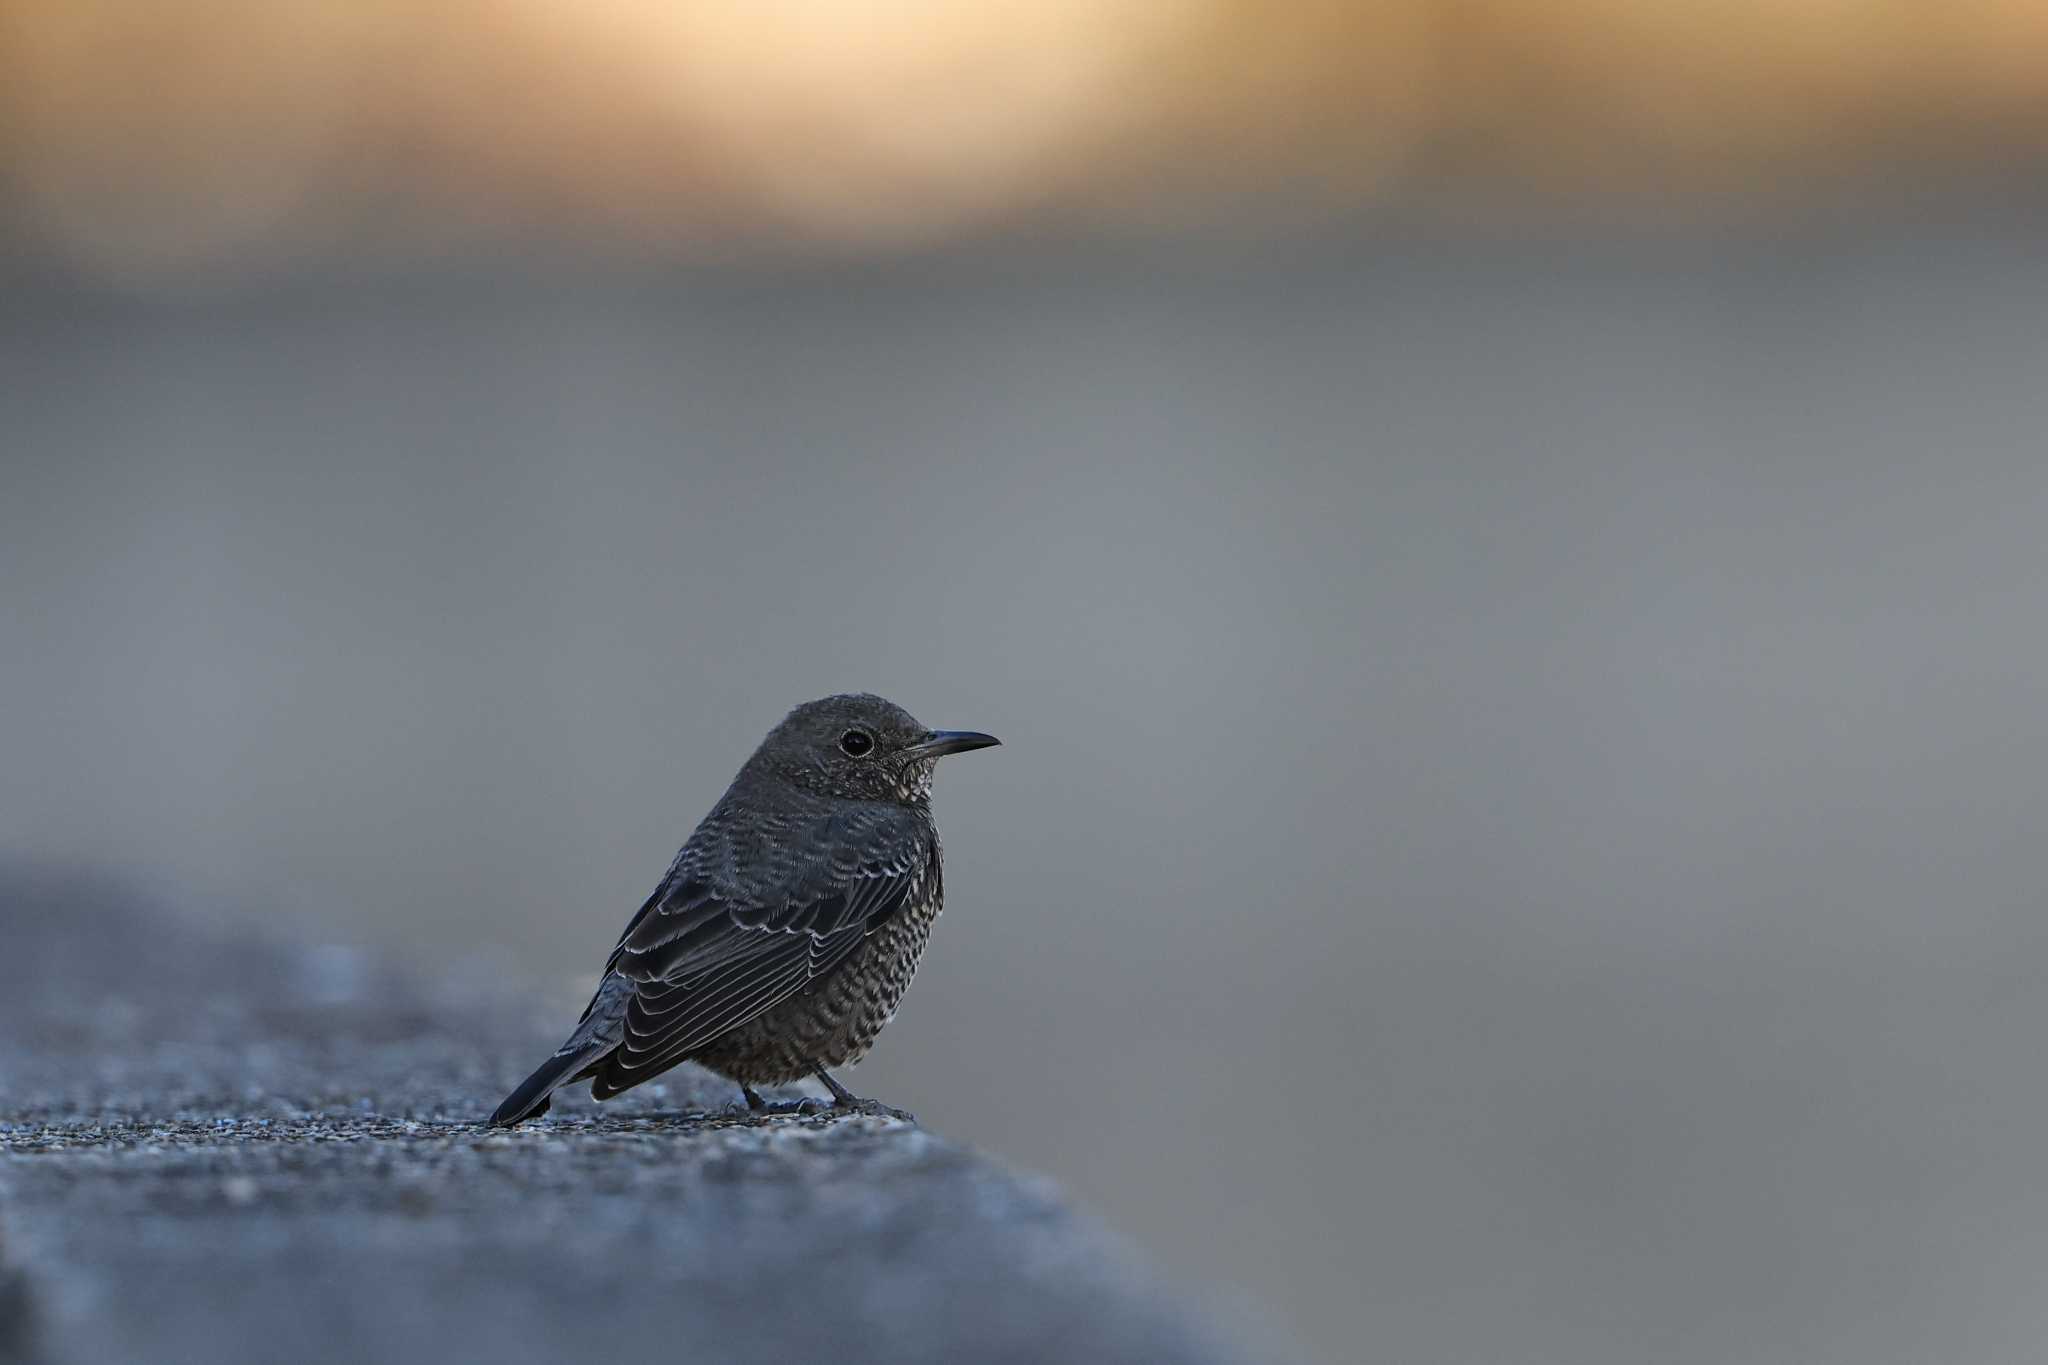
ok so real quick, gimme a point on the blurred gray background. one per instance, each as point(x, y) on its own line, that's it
point(1519, 837)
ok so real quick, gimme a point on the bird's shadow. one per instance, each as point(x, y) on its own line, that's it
point(809, 1111)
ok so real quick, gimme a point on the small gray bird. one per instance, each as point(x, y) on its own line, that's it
point(789, 925)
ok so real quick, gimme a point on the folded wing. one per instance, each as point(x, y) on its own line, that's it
point(710, 952)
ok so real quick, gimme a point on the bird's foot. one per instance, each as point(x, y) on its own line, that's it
point(845, 1100)
point(876, 1109)
point(757, 1107)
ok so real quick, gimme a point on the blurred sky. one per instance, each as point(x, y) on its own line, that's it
point(1518, 837)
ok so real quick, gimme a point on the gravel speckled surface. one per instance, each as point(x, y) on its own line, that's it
point(216, 1150)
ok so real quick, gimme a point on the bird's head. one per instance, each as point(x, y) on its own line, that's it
point(859, 746)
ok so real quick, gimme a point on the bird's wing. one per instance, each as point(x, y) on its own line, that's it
point(734, 930)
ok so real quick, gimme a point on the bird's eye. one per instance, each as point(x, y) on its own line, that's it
point(857, 743)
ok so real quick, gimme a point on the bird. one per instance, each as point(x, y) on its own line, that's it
point(786, 930)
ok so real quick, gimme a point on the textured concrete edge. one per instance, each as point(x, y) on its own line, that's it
point(307, 1003)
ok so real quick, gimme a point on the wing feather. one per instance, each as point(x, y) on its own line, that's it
point(713, 950)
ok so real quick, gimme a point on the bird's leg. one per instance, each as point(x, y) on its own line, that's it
point(754, 1100)
point(843, 1098)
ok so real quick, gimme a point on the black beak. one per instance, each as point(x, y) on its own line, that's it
point(939, 743)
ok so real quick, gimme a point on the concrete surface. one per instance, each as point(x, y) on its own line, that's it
point(223, 1149)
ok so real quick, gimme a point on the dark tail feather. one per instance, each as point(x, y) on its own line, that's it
point(531, 1097)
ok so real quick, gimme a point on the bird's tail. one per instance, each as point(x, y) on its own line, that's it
point(597, 1033)
point(531, 1097)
